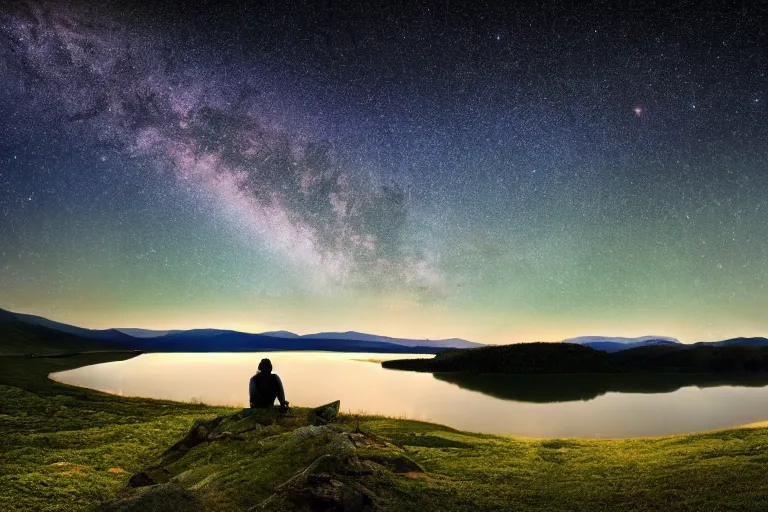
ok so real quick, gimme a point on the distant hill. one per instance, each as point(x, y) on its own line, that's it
point(200, 333)
point(150, 333)
point(19, 338)
point(209, 340)
point(743, 342)
point(570, 358)
point(7, 316)
point(100, 334)
point(351, 336)
point(614, 344)
point(233, 341)
point(407, 342)
point(281, 334)
point(142, 333)
point(346, 336)
point(22, 333)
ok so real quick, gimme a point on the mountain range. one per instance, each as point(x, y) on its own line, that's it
point(616, 344)
point(20, 333)
point(287, 335)
point(23, 326)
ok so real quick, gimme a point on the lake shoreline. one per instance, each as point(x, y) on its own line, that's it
point(574, 406)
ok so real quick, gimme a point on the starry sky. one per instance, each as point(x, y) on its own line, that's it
point(496, 173)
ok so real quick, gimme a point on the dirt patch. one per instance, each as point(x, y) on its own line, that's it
point(418, 476)
point(76, 469)
point(69, 468)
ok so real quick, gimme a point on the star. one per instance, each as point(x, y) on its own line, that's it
point(272, 164)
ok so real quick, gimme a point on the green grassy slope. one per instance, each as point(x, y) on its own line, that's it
point(66, 448)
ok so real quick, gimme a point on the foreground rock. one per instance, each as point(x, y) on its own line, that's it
point(261, 460)
point(324, 414)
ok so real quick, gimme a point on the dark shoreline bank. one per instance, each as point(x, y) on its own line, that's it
point(569, 359)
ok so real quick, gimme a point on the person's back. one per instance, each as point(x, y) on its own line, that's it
point(265, 387)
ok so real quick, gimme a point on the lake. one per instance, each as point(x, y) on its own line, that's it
point(601, 406)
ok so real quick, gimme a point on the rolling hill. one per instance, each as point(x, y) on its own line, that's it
point(19, 338)
point(101, 334)
point(742, 342)
point(615, 344)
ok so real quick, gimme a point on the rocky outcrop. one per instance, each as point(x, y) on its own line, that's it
point(324, 414)
point(141, 479)
point(161, 498)
point(261, 460)
point(328, 482)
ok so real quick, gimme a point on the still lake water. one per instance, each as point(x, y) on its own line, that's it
point(535, 406)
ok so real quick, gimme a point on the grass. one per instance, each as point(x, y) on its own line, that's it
point(67, 448)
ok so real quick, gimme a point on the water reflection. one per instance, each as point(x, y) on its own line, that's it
point(537, 406)
point(568, 388)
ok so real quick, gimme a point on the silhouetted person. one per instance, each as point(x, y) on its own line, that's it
point(265, 386)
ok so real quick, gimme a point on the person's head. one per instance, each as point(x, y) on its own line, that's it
point(265, 366)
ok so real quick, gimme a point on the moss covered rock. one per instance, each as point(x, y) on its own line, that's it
point(160, 498)
point(262, 460)
point(324, 414)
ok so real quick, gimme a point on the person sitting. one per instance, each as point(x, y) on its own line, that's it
point(265, 386)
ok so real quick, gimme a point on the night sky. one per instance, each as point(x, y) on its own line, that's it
point(497, 174)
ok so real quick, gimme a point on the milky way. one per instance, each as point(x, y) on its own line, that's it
point(497, 173)
point(287, 191)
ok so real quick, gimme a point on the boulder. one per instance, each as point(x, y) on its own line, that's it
point(161, 498)
point(141, 479)
point(198, 434)
point(324, 414)
point(334, 496)
point(353, 500)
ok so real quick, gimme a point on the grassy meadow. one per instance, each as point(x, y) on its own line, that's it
point(68, 448)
